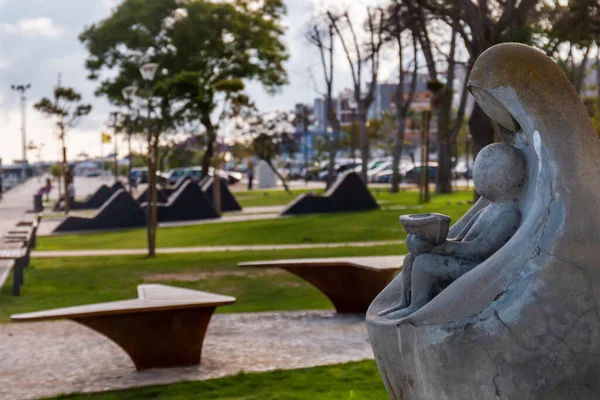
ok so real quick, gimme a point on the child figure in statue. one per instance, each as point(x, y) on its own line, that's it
point(498, 174)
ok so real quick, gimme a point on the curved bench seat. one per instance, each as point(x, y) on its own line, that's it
point(351, 283)
point(163, 327)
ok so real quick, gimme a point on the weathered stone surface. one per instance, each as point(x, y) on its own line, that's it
point(228, 201)
point(120, 211)
point(188, 203)
point(349, 193)
point(525, 323)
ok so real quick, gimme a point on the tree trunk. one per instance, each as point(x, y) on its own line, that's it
point(581, 73)
point(154, 197)
point(331, 168)
point(129, 166)
point(364, 145)
point(65, 171)
point(210, 142)
point(444, 174)
point(397, 153)
point(481, 129)
point(150, 197)
point(353, 141)
point(285, 185)
point(598, 77)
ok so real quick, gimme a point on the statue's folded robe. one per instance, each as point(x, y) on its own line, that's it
point(349, 193)
point(120, 211)
point(188, 203)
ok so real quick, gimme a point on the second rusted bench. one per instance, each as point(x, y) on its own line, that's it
point(351, 283)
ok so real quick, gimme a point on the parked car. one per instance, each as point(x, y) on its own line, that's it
point(195, 173)
point(340, 168)
point(139, 175)
point(413, 175)
point(462, 170)
point(174, 174)
point(381, 168)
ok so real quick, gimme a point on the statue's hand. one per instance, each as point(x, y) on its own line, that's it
point(417, 245)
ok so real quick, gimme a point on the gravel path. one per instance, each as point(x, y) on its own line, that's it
point(50, 358)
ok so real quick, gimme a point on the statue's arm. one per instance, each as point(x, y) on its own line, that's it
point(461, 223)
point(491, 239)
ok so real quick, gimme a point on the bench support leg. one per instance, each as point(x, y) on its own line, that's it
point(18, 279)
point(157, 339)
point(350, 289)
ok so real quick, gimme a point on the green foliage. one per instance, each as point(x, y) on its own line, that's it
point(203, 47)
point(351, 381)
point(55, 170)
point(65, 107)
point(593, 109)
point(266, 147)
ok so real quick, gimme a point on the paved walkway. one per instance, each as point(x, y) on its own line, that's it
point(50, 358)
point(207, 249)
point(16, 202)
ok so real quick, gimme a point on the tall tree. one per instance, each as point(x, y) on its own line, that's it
point(481, 24)
point(270, 134)
point(204, 50)
point(397, 27)
point(322, 36)
point(66, 108)
point(360, 54)
point(441, 86)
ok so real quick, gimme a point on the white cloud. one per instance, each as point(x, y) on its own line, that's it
point(33, 27)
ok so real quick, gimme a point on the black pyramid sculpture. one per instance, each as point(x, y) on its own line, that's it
point(120, 211)
point(348, 193)
point(228, 201)
point(188, 203)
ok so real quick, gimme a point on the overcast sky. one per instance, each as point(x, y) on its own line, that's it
point(38, 41)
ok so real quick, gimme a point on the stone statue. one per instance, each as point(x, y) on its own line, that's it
point(429, 268)
point(520, 320)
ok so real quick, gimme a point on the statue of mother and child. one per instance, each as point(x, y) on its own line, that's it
point(505, 304)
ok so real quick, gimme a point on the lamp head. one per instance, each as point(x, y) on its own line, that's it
point(148, 71)
point(129, 92)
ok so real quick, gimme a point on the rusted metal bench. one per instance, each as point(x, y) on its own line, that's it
point(29, 219)
point(351, 283)
point(27, 235)
point(20, 257)
point(163, 327)
point(16, 249)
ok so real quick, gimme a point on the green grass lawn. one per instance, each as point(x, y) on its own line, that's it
point(322, 228)
point(351, 381)
point(64, 282)
point(264, 198)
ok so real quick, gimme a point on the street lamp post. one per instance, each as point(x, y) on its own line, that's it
point(115, 118)
point(128, 94)
point(148, 72)
point(22, 89)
